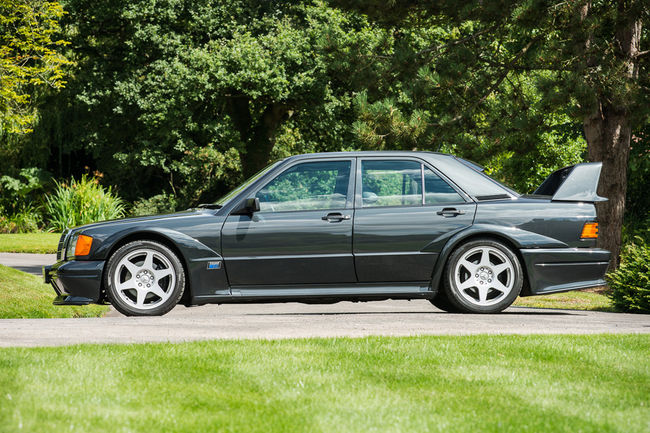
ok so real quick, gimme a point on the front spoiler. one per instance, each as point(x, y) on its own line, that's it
point(75, 282)
point(553, 270)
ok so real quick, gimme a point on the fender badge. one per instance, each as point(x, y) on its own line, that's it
point(214, 265)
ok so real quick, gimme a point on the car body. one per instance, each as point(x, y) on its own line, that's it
point(356, 226)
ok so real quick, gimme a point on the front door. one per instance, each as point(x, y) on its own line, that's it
point(402, 207)
point(302, 233)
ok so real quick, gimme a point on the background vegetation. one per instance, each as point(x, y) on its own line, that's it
point(167, 104)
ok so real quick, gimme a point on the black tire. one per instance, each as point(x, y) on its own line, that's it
point(165, 292)
point(441, 302)
point(467, 300)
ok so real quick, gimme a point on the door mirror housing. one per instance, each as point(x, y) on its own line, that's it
point(248, 207)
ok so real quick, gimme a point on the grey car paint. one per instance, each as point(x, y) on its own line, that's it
point(377, 253)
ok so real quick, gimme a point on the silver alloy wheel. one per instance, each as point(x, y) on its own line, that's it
point(144, 279)
point(484, 276)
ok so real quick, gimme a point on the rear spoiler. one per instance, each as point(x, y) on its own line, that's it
point(574, 183)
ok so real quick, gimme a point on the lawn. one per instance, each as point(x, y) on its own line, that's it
point(29, 242)
point(574, 300)
point(25, 296)
point(415, 384)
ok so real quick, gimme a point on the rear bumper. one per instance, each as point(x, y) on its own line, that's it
point(561, 269)
point(75, 282)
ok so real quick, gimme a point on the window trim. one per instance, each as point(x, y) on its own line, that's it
point(349, 201)
point(358, 199)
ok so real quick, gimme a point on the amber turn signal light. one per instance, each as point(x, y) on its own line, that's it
point(589, 231)
point(83, 245)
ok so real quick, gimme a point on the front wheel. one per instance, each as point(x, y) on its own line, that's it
point(144, 278)
point(482, 276)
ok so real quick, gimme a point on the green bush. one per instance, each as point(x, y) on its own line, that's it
point(26, 220)
point(81, 202)
point(630, 283)
point(158, 204)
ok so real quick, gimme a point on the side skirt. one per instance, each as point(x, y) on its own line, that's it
point(320, 294)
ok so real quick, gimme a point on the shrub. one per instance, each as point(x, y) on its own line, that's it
point(27, 219)
point(158, 204)
point(630, 283)
point(81, 202)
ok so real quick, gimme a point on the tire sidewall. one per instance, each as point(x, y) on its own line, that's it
point(450, 285)
point(128, 310)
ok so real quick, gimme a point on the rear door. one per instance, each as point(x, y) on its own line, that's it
point(402, 205)
point(303, 231)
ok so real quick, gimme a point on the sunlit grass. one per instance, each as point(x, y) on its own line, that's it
point(379, 384)
point(24, 295)
point(41, 242)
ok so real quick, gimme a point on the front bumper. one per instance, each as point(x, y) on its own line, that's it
point(553, 270)
point(75, 282)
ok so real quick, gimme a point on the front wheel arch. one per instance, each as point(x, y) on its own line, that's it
point(154, 237)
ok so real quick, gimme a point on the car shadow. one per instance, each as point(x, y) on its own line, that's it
point(359, 313)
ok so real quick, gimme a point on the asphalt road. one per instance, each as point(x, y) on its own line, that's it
point(30, 263)
point(293, 320)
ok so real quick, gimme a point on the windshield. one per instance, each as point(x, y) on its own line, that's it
point(226, 198)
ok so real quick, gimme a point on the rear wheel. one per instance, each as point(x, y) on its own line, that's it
point(144, 278)
point(482, 276)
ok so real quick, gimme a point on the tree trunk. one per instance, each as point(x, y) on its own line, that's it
point(258, 135)
point(608, 132)
point(608, 140)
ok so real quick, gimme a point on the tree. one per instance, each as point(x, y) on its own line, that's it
point(30, 57)
point(584, 59)
point(182, 93)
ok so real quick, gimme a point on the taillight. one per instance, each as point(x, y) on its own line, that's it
point(589, 231)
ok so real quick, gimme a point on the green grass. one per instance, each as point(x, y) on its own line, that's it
point(574, 300)
point(44, 243)
point(379, 384)
point(25, 296)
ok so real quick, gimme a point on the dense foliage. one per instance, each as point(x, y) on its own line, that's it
point(175, 101)
point(630, 283)
point(29, 58)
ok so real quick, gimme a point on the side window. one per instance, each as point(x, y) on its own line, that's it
point(437, 191)
point(307, 186)
point(391, 183)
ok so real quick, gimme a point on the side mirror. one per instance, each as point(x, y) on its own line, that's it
point(252, 205)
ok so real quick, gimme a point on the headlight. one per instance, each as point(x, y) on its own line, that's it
point(79, 245)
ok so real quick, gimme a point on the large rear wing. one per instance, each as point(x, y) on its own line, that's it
point(574, 183)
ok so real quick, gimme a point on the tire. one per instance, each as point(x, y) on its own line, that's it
point(144, 278)
point(482, 276)
point(441, 302)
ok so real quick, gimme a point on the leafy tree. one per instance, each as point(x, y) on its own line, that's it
point(184, 93)
point(30, 57)
point(582, 58)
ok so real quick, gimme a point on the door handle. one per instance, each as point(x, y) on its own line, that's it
point(449, 212)
point(335, 217)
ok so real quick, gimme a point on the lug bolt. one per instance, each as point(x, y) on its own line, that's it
point(489, 281)
point(476, 275)
point(148, 285)
point(139, 284)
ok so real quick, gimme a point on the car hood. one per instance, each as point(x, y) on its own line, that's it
point(150, 218)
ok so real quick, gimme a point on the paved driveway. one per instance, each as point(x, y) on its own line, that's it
point(294, 320)
point(30, 263)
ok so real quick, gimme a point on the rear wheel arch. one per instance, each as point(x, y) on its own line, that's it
point(155, 237)
point(454, 244)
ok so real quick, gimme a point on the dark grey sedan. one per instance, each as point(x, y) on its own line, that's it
point(355, 226)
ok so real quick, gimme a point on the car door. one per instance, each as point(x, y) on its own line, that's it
point(303, 231)
point(401, 207)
